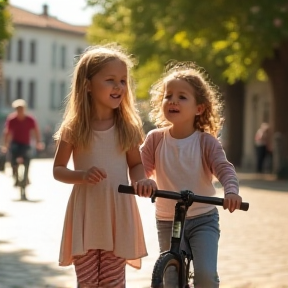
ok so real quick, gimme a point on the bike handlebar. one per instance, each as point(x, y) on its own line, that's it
point(178, 196)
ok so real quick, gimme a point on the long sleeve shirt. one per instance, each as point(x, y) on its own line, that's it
point(186, 164)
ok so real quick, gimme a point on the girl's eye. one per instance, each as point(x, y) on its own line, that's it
point(182, 97)
point(167, 96)
point(123, 82)
point(109, 80)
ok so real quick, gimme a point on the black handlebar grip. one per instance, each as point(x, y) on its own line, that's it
point(244, 206)
point(126, 189)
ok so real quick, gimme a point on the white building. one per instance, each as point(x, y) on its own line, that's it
point(38, 63)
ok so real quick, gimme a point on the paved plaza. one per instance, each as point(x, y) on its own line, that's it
point(253, 249)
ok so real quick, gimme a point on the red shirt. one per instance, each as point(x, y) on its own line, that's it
point(20, 129)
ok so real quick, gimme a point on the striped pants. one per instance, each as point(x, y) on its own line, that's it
point(100, 269)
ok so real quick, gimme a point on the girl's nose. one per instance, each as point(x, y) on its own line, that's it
point(173, 102)
point(116, 86)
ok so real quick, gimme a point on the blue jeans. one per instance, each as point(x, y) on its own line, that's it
point(201, 236)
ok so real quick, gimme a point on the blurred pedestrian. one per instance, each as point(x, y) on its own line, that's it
point(263, 147)
point(19, 127)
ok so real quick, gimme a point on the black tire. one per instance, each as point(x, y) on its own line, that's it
point(22, 182)
point(23, 193)
point(164, 261)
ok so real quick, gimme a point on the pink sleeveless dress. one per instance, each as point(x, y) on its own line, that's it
point(97, 216)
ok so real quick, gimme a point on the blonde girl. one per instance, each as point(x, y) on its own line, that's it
point(102, 131)
point(183, 153)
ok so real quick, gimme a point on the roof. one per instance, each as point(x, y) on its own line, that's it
point(23, 17)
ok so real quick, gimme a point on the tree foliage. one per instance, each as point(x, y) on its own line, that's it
point(5, 25)
point(233, 36)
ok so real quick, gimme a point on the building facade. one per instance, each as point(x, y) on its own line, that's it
point(38, 64)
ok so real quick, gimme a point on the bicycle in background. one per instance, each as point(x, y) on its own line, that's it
point(175, 256)
point(21, 177)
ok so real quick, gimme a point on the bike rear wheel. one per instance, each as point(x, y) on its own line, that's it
point(22, 181)
point(165, 265)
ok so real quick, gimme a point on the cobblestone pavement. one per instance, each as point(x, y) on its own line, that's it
point(253, 249)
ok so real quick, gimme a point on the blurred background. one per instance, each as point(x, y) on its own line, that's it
point(242, 45)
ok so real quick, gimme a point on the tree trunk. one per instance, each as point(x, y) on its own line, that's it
point(277, 71)
point(234, 121)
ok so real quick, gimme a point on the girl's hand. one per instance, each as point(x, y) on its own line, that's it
point(94, 175)
point(144, 187)
point(232, 201)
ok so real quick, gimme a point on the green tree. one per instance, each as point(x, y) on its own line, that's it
point(5, 30)
point(236, 40)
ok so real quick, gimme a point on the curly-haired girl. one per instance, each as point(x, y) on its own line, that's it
point(183, 153)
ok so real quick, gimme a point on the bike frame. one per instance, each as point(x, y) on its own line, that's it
point(184, 200)
point(181, 208)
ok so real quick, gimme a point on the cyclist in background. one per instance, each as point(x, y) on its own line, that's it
point(18, 129)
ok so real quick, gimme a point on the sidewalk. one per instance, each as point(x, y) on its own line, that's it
point(253, 248)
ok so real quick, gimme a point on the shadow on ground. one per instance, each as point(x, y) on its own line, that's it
point(15, 265)
point(280, 186)
point(263, 181)
point(259, 181)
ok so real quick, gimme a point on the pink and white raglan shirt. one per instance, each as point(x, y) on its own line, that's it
point(186, 164)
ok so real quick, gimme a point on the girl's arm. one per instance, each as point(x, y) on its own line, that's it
point(147, 152)
point(142, 185)
point(136, 169)
point(215, 160)
point(224, 171)
point(60, 170)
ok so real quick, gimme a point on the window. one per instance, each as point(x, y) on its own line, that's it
point(7, 91)
point(63, 57)
point(77, 55)
point(53, 102)
point(32, 56)
point(79, 51)
point(62, 92)
point(19, 89)
point(31, 94)
point(54, 56)
point(20, 49)
point(8, 51)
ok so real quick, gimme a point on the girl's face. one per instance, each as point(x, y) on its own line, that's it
point(179, 103)
point(108, 87)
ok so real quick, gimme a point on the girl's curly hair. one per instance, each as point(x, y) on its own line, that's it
point(206, 93)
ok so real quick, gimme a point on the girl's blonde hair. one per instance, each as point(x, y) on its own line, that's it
point(206, 93)
point(79, 109)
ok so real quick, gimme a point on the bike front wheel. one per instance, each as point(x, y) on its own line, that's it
point(167, 272)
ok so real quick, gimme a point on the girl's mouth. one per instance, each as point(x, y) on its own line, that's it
point(171, 110)
point(115, 96)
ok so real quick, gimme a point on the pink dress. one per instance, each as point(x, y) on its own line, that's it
point(97, 216)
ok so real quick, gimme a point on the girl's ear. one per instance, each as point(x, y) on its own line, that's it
point(200, 109)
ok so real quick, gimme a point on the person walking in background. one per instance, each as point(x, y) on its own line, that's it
point(101, 128)
point(184, 154)
point(263, 147)
point(18, 129)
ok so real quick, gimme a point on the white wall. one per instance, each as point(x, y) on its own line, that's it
point(42, 72)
